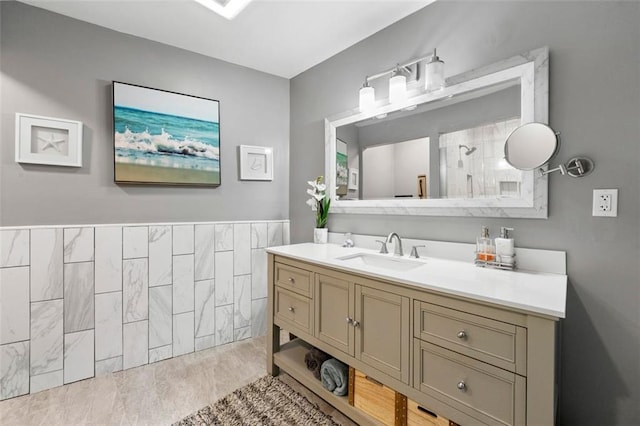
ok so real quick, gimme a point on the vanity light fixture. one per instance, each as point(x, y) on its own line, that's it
point(228, 9)
point(398, 88)
point(434, 73)
point(367, 97)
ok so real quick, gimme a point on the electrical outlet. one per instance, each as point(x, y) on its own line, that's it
point(605, 202)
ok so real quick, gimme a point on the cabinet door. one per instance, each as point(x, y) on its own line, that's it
point(334, 300)
point(382, 335)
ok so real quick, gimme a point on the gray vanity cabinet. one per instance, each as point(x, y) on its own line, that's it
point(467, 360)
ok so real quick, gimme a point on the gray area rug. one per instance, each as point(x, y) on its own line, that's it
point(267, 401)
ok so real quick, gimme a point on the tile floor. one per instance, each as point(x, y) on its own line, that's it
point(154, 394)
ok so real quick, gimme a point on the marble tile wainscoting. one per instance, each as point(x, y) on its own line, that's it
point(82, 301)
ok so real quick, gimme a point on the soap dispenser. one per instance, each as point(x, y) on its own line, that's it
point(484, 246)
point(505, 248)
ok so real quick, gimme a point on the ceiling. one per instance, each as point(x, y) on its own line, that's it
point(281, 37)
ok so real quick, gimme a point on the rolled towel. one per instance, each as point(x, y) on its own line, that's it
point(314, 359)
point(335, 377)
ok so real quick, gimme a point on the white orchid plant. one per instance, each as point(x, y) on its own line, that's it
point(319, 201)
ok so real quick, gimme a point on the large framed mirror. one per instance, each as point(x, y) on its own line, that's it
point(442, 153)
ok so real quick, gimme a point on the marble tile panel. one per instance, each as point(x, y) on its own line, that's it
point(78, 356)
point(160, 316)
point(46, 264)
point(204, 251)
point(183, 239)
point(14, 304)
point(241, 249)
point(46, 381)
point(258, 274)
point(274, 234)
point(183, 284)
point(14, 248)
point(135, 242)
point(108, 262)
point(258, 317)
point(78, 244)
point(286, 233)
point(14, 370)
point(160, 255)
point(224, 236)
point(183, 338)
point(136, 344)
point(242, 301)
point(108, 325)
point(135, 290)
point(258, 235)
point(47, 336)
point(224, 324)
point(242, 334)
point(161, 353)
point(78, 297)
point(204, 308)
point(205, 342)
point(108, 366)
point(224, 278)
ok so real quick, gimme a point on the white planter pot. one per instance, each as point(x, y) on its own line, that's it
point(320, 235)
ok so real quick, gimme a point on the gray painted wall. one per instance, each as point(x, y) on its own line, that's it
point(594, 102)
point(60, 67)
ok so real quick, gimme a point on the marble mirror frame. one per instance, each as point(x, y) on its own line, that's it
point(531, 71)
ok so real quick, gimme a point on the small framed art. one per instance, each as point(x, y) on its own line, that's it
point(354, 175)
point(256, 163)
point(46, 140)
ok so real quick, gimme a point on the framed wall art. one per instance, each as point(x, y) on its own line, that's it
point(165, 138)
point(47, 140)
point(256, 162)
point(354, 179)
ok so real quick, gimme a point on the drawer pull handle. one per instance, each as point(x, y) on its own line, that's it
point(291, 309)
point(356, 323)
point(462, 334)
point(292, 280)
point(372, 380)
point(427, 412)
point(349, 320)
point(462, 386)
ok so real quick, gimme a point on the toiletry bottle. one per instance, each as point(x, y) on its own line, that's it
point(484, 246)
point(505, 248)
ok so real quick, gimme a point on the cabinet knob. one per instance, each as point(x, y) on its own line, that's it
point(292, 280)
point(462, 385)
point(349, 320)
point(356, 323)
point(291, 309)
point(462, 334)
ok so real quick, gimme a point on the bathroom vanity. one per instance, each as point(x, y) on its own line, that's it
point(473, 345)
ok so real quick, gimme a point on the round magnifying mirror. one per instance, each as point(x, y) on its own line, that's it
point(531, 146)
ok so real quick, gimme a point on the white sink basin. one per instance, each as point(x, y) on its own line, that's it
point(381, 261)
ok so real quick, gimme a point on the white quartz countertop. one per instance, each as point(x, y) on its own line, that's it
point(534, 292)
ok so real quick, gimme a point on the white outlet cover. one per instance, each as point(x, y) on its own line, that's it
point(602, 207)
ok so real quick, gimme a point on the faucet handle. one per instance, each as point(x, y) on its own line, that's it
point(383, 248)
point(414, 251)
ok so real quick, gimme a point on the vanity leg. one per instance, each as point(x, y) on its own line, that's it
point(273, 331)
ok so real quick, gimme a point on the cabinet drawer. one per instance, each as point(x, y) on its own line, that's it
point(293, 309)
point(482, 391)
point(294, 279)
point(491, 341)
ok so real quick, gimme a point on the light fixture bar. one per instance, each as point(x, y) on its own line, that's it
point(390, 71)
point(230, 9)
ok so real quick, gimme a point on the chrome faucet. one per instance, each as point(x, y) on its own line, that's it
point(397, 248)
